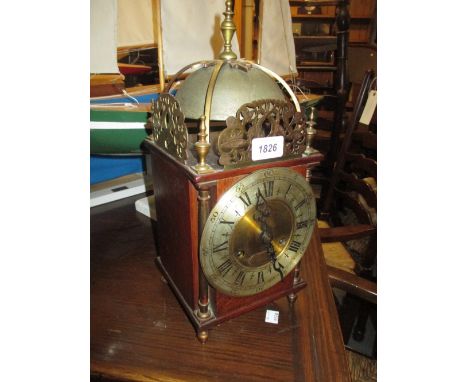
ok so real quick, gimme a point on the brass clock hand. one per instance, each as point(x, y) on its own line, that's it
point(274, 260)
point(261, 213)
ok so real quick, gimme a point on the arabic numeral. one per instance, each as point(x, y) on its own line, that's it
point(268, 148)
point(214, 216)
point(240, 188)
point(268, 173)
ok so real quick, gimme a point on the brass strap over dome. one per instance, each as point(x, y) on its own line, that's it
point(209, 96)
point(202, 146)
point(194, 66)
point(271, 73)
point(228, 28)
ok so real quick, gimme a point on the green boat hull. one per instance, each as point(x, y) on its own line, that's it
point(117, 131)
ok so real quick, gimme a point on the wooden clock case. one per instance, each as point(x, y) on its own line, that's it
point(184, 199)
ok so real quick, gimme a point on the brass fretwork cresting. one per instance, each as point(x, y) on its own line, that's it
point(258, 119)
point(169, 129)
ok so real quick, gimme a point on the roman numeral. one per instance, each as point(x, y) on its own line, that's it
point(220, 247)
point(294, 246)
point(303, 224)
point(287, 190)
point(225, 267)
point(246, 201)
point(240, 278)
point(260, 278)
point(268, 188)
point(300, 204)
point(227, 222)
point(259, 196)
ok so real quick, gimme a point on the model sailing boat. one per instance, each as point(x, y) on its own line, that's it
point(118, 118)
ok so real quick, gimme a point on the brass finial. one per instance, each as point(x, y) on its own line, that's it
point(228, 28)
point(310, 133)
point(202, 148)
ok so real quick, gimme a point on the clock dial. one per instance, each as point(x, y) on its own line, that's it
point(257, 232)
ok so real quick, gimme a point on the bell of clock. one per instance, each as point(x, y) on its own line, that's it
point(237, 83)
point(231, 158)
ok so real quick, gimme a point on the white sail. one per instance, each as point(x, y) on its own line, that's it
point(191, 32)
point(135, 26)
point(103, 36)
point(276, 43)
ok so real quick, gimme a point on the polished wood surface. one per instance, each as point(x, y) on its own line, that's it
point(140, 333)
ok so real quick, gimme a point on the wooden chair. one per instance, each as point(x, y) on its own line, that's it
point(348, 221)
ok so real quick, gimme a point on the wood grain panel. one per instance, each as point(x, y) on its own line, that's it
point(174, 229)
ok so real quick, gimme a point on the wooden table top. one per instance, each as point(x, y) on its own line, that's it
point(140, 333)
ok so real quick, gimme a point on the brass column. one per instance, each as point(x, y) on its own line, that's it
point(203, 212)
point(293, 296)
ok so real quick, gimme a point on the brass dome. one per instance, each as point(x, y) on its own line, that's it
point(236, 84)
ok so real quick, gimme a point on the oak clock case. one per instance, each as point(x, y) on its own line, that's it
point(257, 232)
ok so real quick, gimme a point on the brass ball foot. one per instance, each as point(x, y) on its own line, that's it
point(202, 336)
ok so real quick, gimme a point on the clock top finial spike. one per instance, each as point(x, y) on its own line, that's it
point(228, 28)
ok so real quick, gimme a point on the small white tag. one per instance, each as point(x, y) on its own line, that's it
point(369, 108)
point(272, 316)
point(267, 148)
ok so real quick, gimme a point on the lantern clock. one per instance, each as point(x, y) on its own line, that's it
point(231, 158)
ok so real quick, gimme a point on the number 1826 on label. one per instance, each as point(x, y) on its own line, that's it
point(267, 148)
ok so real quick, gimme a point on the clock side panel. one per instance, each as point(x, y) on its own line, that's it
point(176, 227)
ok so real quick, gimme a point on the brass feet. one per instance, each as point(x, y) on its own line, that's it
point(202, 336)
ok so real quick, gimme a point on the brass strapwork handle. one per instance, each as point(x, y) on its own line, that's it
point(228, 28)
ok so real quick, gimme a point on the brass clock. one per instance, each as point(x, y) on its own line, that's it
point(257, 232)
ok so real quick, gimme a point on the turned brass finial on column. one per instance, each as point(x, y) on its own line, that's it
point(310, 132)
point(228, 28)
point(202, 148)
